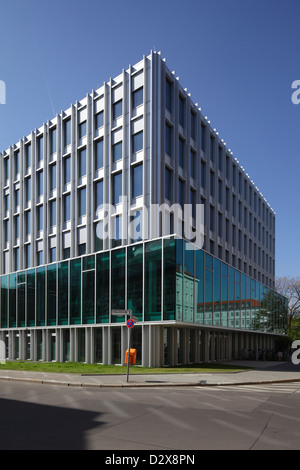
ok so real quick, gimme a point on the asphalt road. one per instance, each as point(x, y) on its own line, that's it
point(35, 416)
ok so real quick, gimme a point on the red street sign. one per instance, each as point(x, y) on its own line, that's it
point(130, 324)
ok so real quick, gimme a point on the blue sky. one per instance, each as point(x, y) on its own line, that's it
point(237, 58)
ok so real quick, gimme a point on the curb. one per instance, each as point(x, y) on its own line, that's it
point(143, 385)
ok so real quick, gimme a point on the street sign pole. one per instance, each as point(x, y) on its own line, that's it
point(126, 313)
point(128, 355)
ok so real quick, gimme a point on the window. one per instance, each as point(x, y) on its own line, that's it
point(220, 159)
point(67, 132)
point(99, 154)
point(67, 208)
point(52, 177)
point(17, 198)
point(82, 202)
point(220, 191)
point(212, 183)
point(6, 203)
point(99, 120)
point(6, 231)
point(52, 255)
point(6, 168)
point(193, 202)
point(40, 149)
point(169, 95)
point(181, 110)
point(17, 163)
point(203, 136)
point(136, 224)
point(203, 174)
point(193, 164)
point(117, 230)
point(28, 156)
point(27, 223)
point(82, 163)
point(98, 195)
point(137, 181)
point(117, 151)
point(39, 178)
point(117, 109)
point(40, 218)
point(52, 141)
point(137, 142)
point(168, 184)
point(212, 148)
point(27, 256)
point(17, 259)
point(82, 130)
point(67, 170)
point(117, 188)
point(193, 125)
point(181, 152)
point(137, 97)
point(168, 139)
point(52, 210)
point(181, 193)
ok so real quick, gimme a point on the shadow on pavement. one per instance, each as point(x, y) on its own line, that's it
point(29, 426)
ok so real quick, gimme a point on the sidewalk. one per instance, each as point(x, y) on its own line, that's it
point(263, 372)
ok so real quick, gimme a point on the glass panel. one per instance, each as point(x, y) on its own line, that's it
point(21, 304)
point(118, 260)
point(153, 267)
point(88, 263)
point(217, 292)
point(75, 291)
point(117, 152)
point(40, 296)
point(102, 291)
point(135, 280)
point(12, 300)
point(31, 297)
point(237, 299)
point(88, 299)
point(137, 98)
point(63, 291)
point(137, 142)
point(169, 279)
point(51, 295)
point(82, 163)
point(117, 188)
point(231, 298)
point(208, 296)
point(136, 343)
point(179, 279)
point(116, 345)
point(199, 286)
point(99, 154)
point(4, 301)
point(137, 181)
point(188, 288)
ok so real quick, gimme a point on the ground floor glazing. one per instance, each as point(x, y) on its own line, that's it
point(157, 345)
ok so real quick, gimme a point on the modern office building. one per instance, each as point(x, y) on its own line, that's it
point(98, 168)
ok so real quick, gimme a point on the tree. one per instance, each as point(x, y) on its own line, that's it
point(290, 288)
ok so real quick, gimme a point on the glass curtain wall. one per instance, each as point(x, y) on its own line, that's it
point(164, 279)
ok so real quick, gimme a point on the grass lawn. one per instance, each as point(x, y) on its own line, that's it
point(80, 368)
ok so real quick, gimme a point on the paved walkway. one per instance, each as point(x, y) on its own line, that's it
point(262, 372)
